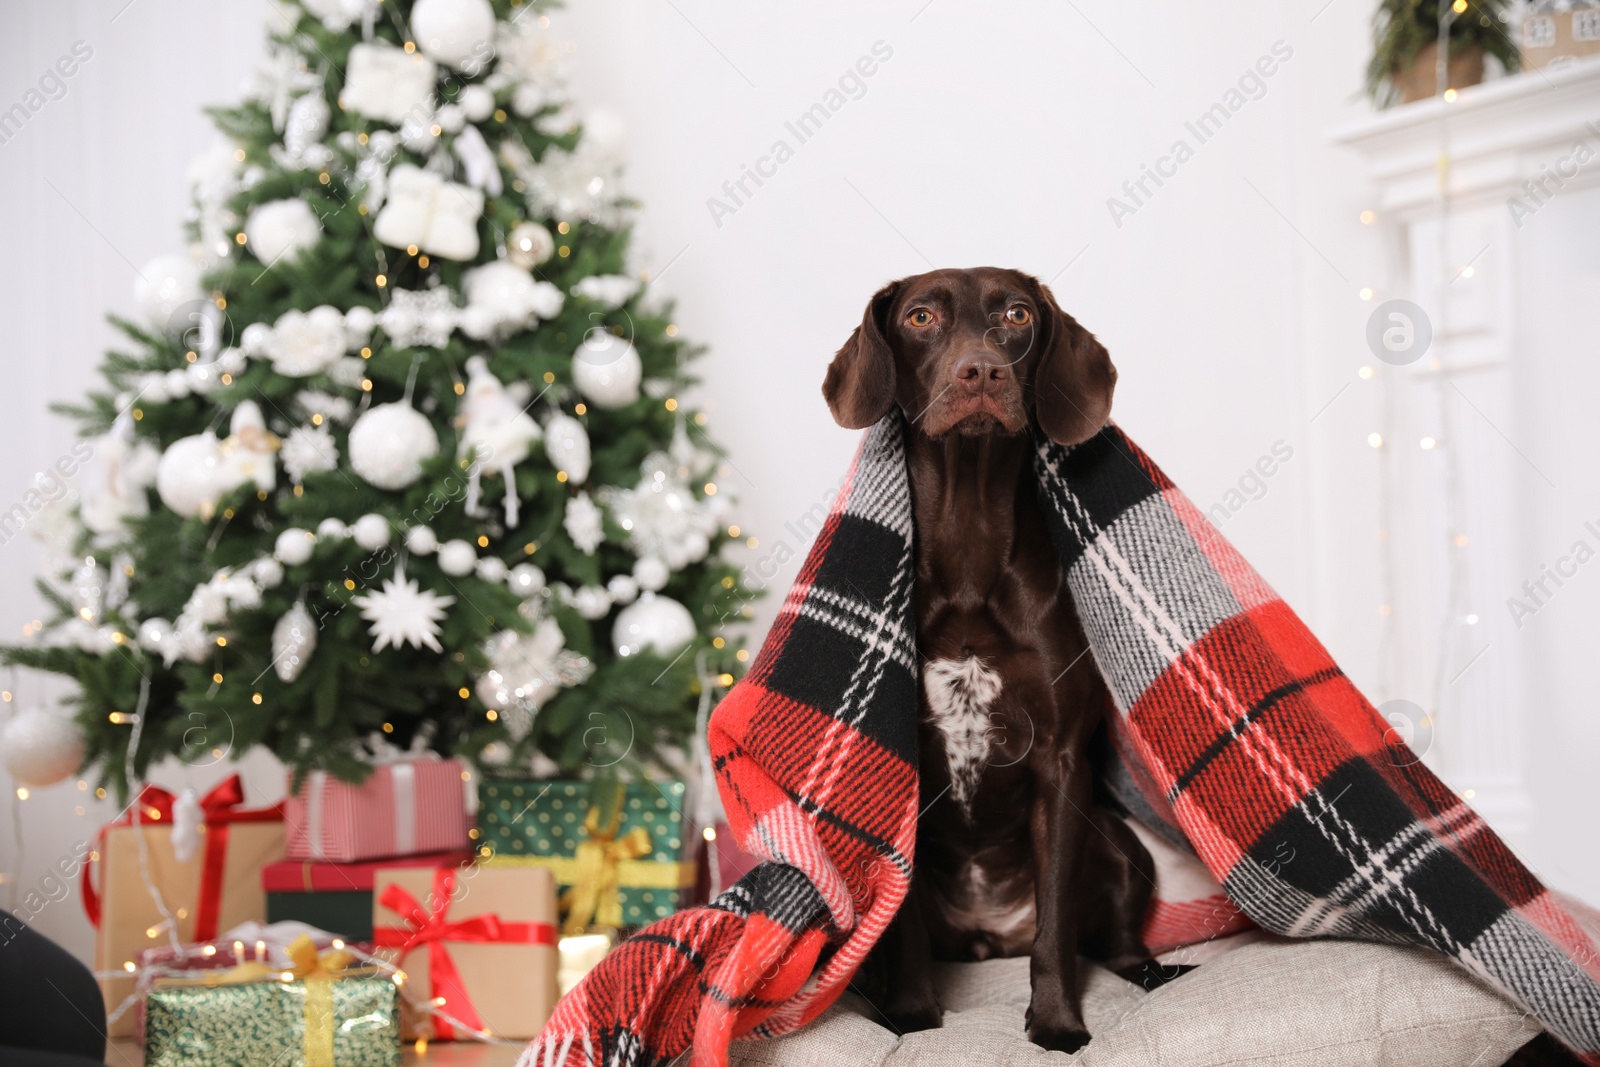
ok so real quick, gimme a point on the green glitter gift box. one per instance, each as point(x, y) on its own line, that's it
point(317, 1022)
point(632, 871)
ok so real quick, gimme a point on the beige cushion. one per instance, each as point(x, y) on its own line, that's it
point(1270, 1003)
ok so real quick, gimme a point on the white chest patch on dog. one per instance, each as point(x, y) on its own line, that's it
point(960, 694)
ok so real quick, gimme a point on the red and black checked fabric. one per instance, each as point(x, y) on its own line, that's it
point(1237, 735)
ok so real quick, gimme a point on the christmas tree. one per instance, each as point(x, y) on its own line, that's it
point(398, 446)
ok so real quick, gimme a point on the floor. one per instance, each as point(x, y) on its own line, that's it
point(439, 1054)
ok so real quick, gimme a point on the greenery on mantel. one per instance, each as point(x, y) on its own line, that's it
point(1401, 29)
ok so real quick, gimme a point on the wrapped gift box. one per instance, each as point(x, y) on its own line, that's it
point(404, 808)
point(249, 942)
point(629, 874)
point(218, 1018)
point(217, 888)
point(481, 939)
point(337, 896)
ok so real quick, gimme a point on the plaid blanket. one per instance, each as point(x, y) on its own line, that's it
point(1237, 734)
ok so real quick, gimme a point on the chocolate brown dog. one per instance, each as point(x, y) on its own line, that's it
point(1013, 855)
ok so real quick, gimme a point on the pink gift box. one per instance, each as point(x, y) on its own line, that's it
point(403, 808)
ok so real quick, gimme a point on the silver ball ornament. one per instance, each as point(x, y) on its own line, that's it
point(528, 244)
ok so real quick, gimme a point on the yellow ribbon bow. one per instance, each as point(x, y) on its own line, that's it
point(595, 897)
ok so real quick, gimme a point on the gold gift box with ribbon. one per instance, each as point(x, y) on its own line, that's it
point(628, 868)
point(324, 1011)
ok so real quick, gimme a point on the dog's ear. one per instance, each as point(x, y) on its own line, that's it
point(1074, 380)
point(860, 384)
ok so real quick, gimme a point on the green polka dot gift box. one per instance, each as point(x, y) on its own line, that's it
point(628, 870)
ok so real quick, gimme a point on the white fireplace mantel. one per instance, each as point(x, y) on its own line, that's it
point(1476, 249)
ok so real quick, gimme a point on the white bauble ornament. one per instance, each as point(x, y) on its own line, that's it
point(528, 244)
point(421, 540)
point(281, 228)
point(294, 638)
point(204, 378)
point(606, 369)
point(332, 529)
point(164, 285)
point(389, 444)
point(451, 118)
point(492, 569)
point(189, 477)
point(477, 102)
point(623, 589)
point(266, 572)
point(293, 546)
point(358, 323)
point(651, 573)
point(655, 623)
point(525, 579)
point(566, 443)
point(454, 32)
point(457, 558)
point(371, 532)
point(253, 339)
point(41, 747)
point(591, 601)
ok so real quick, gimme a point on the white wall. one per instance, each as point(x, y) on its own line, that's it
point(993, 135)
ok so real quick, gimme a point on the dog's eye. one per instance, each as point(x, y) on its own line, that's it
point(1017, 315)
point(920, 317)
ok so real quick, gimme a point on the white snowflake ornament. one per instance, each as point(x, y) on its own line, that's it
point(583, 523)
point(417, 317)
point(526, 670)
point(308, 449)
point(402, 613)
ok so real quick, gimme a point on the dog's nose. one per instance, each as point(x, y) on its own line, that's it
point(979, 372)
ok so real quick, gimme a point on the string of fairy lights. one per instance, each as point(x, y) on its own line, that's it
point(1456, 612)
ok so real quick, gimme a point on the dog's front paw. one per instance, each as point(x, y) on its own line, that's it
point(1063, 1036)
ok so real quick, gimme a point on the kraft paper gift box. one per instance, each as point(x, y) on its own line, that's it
point(642, 868)
point(405, 807)
point(483, 939)
point(337, 896)
point(217, 888)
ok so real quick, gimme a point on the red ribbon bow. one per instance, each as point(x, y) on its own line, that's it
point(220, 808)
point(433, 928)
